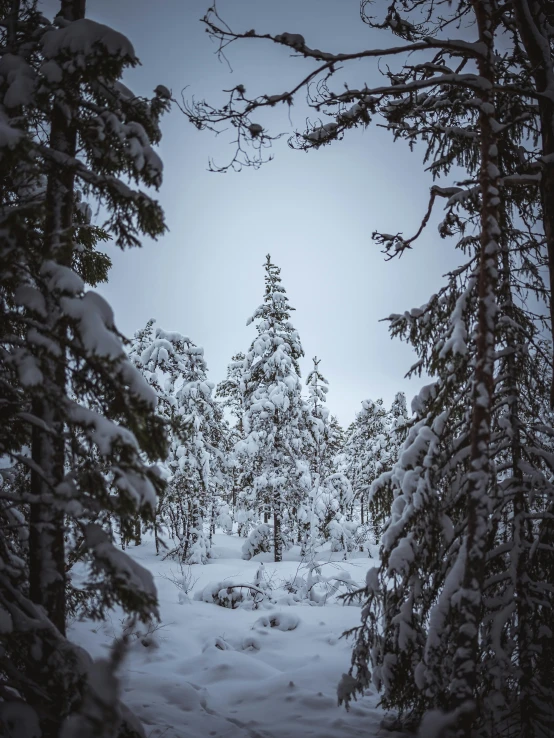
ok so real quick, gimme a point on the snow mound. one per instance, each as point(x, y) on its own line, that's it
point(280, 620)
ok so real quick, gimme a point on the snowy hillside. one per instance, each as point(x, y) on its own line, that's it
point(259, 673)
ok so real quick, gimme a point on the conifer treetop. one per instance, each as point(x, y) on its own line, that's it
point(274, 353)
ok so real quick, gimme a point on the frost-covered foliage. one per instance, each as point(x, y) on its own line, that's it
point(371, 448)
point(79, 432)
point(327, 504)
point(197, 465)
point(275, 416)
point(260, 540)
point(367, 453)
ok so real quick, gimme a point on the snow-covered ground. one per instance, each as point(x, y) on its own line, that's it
point(270, 672)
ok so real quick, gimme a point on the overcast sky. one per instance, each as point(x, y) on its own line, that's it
point(314, 213)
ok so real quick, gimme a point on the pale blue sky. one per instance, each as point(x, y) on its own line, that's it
point(313, 212)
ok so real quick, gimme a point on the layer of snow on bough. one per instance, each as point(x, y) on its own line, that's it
point(86, 38)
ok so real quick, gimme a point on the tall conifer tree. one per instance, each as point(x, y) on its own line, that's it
point(78, 420)
point(274, 420)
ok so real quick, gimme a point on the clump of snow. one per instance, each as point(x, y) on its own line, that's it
point(20, 79)
point(281, 620)
point(255, 130)
point(85, 39)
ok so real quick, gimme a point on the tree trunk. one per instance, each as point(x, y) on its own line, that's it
point(212, 522)
point(156, 534)
point(469, 604)
point(46, 535)
point(277, 538)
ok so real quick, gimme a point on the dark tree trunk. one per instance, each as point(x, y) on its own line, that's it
point(46, 535)
point(469, 605)
point(277, 538)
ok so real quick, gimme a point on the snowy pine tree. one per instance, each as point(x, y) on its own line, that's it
point(79, 427)
point(229, 394)
point(367, 454)
point(274, 420)
point(389, 436)
point(198, 463)
point(197, 466)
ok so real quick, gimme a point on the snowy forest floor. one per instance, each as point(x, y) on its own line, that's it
point(239, 673)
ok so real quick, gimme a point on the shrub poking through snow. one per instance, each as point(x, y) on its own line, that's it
point(183, 580)
point(316, 588)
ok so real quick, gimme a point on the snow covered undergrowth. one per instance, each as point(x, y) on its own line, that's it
point(270, 672)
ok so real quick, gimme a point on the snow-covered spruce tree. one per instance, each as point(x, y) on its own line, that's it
point(314, 510)
point(78, 421)
point(157, 355)
point(398, 421)
point(230, 397)
point(435, 473)
point(197, 463)
point(229, 392)
point(409, 627)
point(368, 454)
point(275, 414)
point(325, 513)
point(475, 109)
point(388, 435)
point(530, 25)
point(335, 441)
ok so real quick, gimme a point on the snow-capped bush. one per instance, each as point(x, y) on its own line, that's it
point(183, 580)
point(224, 594)
point(224, 519)
point(199, 551)
point(314, 588)
point(260, 540)
point(343, 535)
point(232, 595)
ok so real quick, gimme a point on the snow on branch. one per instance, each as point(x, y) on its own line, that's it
point(252, 139)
